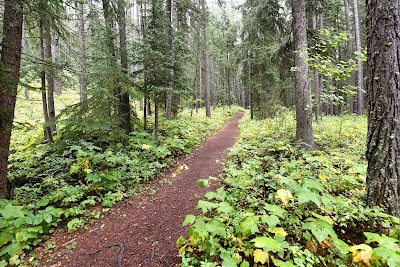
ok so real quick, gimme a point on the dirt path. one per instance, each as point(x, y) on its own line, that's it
point(148, 226)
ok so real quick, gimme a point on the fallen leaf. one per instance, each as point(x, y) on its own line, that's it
point(311, 247)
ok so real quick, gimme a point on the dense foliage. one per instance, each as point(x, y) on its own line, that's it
point(59, 182)
point(282, 206)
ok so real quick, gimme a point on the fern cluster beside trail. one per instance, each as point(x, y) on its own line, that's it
point(282, 206)
point(59, 182)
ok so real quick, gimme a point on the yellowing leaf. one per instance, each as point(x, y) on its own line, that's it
point(260, 256)
point(278, 231)
point(146, 146)
point(284, 195)
point(322, 177)
point(363, 256)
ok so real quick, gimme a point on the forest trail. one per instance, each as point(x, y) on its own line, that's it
point(148, 225)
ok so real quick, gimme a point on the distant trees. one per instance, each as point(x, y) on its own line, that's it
point(383, 86)
point(9, 77)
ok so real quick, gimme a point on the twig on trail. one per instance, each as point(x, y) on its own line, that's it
point(154, 199)
point(152, 255)
point(121, 252)
point(72, 240)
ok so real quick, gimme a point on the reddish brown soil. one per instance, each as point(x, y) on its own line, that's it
point(149, 225)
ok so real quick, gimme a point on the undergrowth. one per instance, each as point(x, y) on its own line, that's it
point(58, 182)
point(283, 206)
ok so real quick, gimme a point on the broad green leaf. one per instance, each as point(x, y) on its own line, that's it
point(216, 227)
point(224, 207)
point(271, 220)
point(203, 183)
point(206, 205)
point(267, 243)
point(43, 202)
point(305, 195)
point(245, 264)
point(250, 225)
point(47, 217)
point(229, 261)
point(11, 211)
point(189, 219)
point(38, 219)
point(276, 210)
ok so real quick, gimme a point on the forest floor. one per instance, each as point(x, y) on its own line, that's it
point(143, 229)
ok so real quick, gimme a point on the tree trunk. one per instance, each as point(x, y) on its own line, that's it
point(360, 76)
point(383, 85)
point(82, 52)
point(23, 48)
point(47, 130)
point(9, 77)
point(125, 115)
point(304, 131)
point(56, 78)
point(109, 23)
point(50, 78)
point(168, 104)
point(316, 79)
point(350, 98)
point(206, 62)
point(156, 117)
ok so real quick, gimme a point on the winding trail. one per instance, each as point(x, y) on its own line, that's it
point(149, 225)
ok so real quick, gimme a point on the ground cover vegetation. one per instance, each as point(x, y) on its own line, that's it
point(119, 85)
point(59, 182)
point(280, 205)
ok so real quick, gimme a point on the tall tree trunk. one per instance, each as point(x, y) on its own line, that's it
point(304, 132)
point(360, 76)
point(109, 23)
point(9, 77)
point(383, 85)
point(156, 116)
point(47, 130)
point(82, 52)
point(196, 84)
point(319, 76)
point(316, 79)
point(125, 115)
point(206, 62)
point(50, 77)
point(56, 78)
point(23, 48)
point(168, 104)
point(350, 98)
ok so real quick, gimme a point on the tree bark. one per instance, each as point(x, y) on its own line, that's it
point(47, 130)
point(125, 115)
point(82, 52)
point(206, 62)
point(360, 75)
point(350, 98)
point(304, 132)
point(168, 104)
point(9, 77)
point(56, 78)
point(383, 85)
point(50, 77)
point(316, 78)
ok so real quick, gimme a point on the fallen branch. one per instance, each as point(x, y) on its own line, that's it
point(121, 252)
